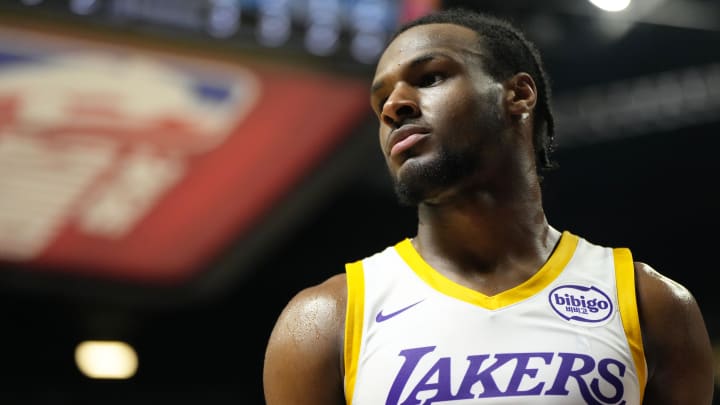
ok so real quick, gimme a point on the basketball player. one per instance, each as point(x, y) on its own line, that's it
point(487, 303)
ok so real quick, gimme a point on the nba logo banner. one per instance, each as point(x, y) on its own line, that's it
point(141, 165)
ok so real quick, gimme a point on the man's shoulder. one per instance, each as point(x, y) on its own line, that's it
point(326, 297)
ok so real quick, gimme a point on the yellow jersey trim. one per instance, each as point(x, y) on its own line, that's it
point(541, 279)
point(353, 324)
point(627, 303)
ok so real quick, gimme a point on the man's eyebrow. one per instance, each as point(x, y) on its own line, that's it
point(420, 60)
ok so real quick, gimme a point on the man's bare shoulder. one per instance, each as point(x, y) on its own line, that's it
point(319, 308)
point(324, 298)
point(676, 341)
point(303, 356)
point(663, 300)
point(661, 289)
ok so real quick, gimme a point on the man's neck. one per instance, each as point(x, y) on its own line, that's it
point(499, 245)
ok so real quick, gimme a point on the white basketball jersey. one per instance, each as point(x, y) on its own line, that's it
point(568, 335)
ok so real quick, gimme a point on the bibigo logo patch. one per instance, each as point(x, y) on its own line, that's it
point(586, 305)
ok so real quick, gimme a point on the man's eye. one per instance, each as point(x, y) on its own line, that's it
point(430, 79)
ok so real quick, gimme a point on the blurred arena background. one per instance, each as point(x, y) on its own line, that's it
point(172, 172)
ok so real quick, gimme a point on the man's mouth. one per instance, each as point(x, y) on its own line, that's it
point(405, 138)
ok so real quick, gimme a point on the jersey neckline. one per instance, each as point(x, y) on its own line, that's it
point(541, 279)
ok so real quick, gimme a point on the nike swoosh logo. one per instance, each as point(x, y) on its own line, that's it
point(380, 317)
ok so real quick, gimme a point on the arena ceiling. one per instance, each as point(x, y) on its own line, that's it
point(637, 100)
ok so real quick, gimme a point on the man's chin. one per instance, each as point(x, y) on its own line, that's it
point(406, 199)
point(419, 179)
point(411, 193)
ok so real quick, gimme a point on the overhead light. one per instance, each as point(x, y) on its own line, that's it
point(611, 5)
point(106, 359)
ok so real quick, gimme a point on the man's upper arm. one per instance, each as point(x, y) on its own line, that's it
point(677, 345)
point(302, 359)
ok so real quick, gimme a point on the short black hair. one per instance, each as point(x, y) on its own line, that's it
point(510, 52)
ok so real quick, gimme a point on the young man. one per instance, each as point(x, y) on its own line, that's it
point(488, 303)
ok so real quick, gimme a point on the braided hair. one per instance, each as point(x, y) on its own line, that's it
point(508, 52)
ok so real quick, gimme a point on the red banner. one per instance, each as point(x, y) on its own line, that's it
point(139, 166)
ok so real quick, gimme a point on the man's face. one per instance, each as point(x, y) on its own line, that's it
point(440, 114)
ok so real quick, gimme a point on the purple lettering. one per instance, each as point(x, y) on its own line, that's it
point(611, 379)
point(566, 371)
point(442, 387)
point(522, 370)
point(412, 358)
point(473, 375)
point(598, 382)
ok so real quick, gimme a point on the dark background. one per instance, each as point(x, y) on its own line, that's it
point(637, 147)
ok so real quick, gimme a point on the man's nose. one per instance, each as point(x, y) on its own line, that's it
point(401, 105)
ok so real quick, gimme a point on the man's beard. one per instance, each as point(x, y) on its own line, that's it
point(420, 181)
point(455, 162)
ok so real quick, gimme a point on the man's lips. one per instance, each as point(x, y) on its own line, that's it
point(404, 138)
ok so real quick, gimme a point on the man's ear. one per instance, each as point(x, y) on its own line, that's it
point(520, 95)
